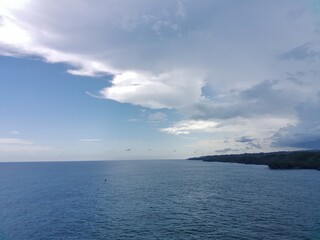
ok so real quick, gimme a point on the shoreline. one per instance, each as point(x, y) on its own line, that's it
point(274, 160)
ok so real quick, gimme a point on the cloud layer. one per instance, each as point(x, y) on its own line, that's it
point(306, 133)
point(212, 61)
point(17, 145)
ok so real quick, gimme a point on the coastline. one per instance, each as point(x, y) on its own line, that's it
point(274, 160)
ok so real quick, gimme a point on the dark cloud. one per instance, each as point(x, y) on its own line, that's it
point(128, 150)
point(226, 150)
point(298, 136)
point(146, 47)
point(245, 139)
point(264, 98)
point(249, 141)
point(306, 134)
point(297, 77)
point(262, 90)
point(296, 13)
point(302, 52)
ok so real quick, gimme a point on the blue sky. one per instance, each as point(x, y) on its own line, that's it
point(57, 112)
point(157, 79)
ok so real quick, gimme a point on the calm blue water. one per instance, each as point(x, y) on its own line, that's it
point(157, 200)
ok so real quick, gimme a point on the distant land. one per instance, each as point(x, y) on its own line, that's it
point(275, 160)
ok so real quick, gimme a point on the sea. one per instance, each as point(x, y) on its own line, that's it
point(159, 199)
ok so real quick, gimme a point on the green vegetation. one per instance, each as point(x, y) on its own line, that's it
point(275, 160)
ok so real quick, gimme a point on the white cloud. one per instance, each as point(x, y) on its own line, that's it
point(231, 135)
point(17, 145)
point(17, 149)
point(91, 139)
point(14, 141)
point(154, 39)
point(158, 47)
point(14, 132)
point(189, 126)
point(161, 54)
point(166, 90)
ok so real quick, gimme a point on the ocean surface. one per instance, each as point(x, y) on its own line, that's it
point(175, 199)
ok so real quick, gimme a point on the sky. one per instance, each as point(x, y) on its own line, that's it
point(150, 79)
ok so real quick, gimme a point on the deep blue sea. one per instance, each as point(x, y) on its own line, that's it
point(175, 199)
